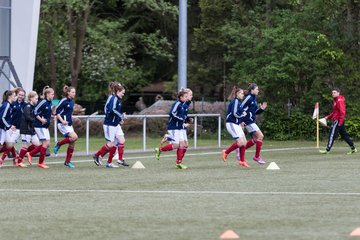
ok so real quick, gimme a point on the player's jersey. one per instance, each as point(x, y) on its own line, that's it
point(27, 120)
point(250, 105)
point(176, 116)
point(112, 109)
point(43, 109)
point(5, 115)
point(186, 106)
point(65, 108)
point(339, 110)
point(235, 112)
point(16, 113)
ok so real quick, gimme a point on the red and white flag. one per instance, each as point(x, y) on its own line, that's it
point(316, 111)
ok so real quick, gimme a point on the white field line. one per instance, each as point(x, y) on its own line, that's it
point(174, 155)
point(178, 192)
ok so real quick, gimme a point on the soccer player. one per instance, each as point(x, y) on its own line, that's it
point(63, 112)
point(252, 109)
point(16, 112)
point(6, 126)
point(175, 130)
point(113, 132)
point(338, 122)
point(28, 135)
point(234, 117)
point(43, 114)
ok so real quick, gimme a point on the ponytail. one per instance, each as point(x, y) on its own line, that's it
point(234, 92)
point(66, 90)
point(7, 94)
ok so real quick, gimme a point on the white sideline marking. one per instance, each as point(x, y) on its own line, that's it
point(180, 192)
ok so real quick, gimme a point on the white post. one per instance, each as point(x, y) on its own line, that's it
point(195, 131)
point(144, 134)
point(55, 130)
point(219, 131)
point(182, 49)
point(87, 134)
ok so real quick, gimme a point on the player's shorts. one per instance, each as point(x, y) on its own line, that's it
point(111, 132)
point(235, 130)
point(12, 136)
point(27, 138)
point(177, 135)
point(184, 133)
point(43, 134)
point(252, 128)
point(2, 136)
point(65, 129)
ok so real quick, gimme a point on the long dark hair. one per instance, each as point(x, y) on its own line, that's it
point(7, 94)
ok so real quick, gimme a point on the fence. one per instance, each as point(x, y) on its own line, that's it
point(144, 126)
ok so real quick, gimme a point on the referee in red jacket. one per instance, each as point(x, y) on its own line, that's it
point(338, 122)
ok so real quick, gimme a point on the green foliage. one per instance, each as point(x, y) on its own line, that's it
point(277, 125)
point(353, 127)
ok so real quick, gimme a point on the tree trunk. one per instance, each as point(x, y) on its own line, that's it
point(268, 12)
point(52, 59)
point(76, 40)
point(351, 20)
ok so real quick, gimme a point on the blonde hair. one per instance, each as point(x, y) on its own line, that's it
point(31, 95)
point(46, 91)
point(234, 92)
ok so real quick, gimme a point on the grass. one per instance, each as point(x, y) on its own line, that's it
point(312, 196)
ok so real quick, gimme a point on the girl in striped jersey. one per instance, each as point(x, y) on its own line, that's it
point(16, 112)
point(63, 112)
point(175, 130)
point(114, 135)
point(251, 106)
point(6, 126)
point(28, 136)
point(42, 114)
point(234, 118)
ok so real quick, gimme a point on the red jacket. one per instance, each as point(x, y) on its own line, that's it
point(339, 110)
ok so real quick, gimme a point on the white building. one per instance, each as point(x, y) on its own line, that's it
point(19, 21)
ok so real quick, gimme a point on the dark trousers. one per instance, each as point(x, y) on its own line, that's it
point(334, 132)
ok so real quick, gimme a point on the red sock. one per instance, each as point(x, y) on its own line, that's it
point(31, 147)
point(64, 141)
point(180, 154)
point(258, 148)
point(69, 153)
point(42, 155)
point(183, 153)
point(4, 155)
point(111, 154)
point(232, 148)
point(3, 148)
point(35, 150)
point(22, 153)
point(250, 143)
point(13, 152)
point(165, 148)
point(242, 153)
point(121, 151)
point(103, 150)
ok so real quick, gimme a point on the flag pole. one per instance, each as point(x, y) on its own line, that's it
point(317, 129)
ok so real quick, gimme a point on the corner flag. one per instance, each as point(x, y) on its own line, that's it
point(316, 111)
point(316, 116)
